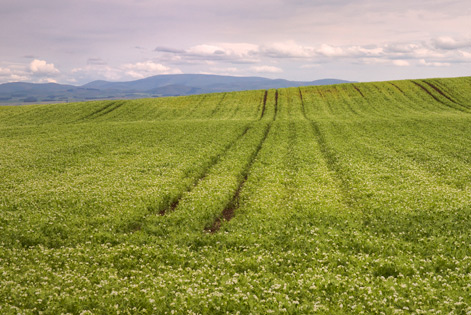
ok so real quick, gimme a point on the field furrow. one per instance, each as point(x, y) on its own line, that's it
point(199, 208)
point(439, 91)
point(436, 98)
point(104, 110)
point(202, 174)
point(327, 154)
point(264, 104)
point(231, 207)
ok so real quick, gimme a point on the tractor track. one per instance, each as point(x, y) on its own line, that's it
point(194, 108)
point(358, 90)
point(264, 104)
point(303, 108)
point(413, 105)
point(398, 88)
point(328, 157)
point(213, 161)
point(218, 105)
point(229, 210)
point(433, 86)
point(108, 108)
point(436, 98)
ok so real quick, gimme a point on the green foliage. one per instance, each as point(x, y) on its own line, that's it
point(352, 198)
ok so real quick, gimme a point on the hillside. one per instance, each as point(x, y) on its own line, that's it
point(161, 85)
point(335, 199)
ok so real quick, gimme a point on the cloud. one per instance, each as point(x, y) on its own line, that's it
point(13, 73)
point(464, 55)
point(401, 48)
point(130, 71)
point(448, 43)
point(310, 66)
point(38, 71)
point(205, 50)
point(288, 49)
point(385, 61)
point(169, 50)
point(96, 61)
point(244, 58)
point(266, 69)
point(5, 73)
point(225, 70)
point(227, 52)
point(148, 68)
point(291, 49)
point(96, 72)
point(401, 63)
point(353, 51)
point(47, 80)
point(423, 62)
point(331, 51)
point(232, 71)
point(397, 54)
point(42, 68)
point(297, 55)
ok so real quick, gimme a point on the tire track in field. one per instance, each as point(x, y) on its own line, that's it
point(400, 106)
point(175, 203)
point(196, 106)
point(229, 211)
point(324, 105)
point(276, 105)
point(264, 104)
point(398, 88)
point(436, 98)
point(108, 108)
point(218, 106)
point(351, 103)
point(334, 90)
point(328, 157)
point(358, 90)
point(213, 161)
point(417, 106)
point(437, 89)
point(303, 108)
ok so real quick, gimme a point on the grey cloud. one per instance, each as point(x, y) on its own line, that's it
point(395, 53)
point(23, 72)
point(448, 43)
point(238, 53)
point(169, 50)
point(96, 61)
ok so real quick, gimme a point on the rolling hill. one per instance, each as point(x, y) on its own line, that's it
point(339, 199)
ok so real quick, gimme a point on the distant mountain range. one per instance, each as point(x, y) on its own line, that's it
point(155, 86)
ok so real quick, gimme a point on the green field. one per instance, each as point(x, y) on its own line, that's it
point(352, 198)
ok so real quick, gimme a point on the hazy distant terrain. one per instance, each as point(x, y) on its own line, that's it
point(155, 86)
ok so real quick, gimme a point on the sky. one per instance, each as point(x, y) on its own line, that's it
point(78, 41)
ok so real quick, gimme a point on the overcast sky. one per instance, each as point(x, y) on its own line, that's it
point(78, 41)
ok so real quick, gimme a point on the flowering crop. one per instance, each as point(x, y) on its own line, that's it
point(352, 198)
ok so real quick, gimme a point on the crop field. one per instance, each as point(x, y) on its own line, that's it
point(351, 198)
